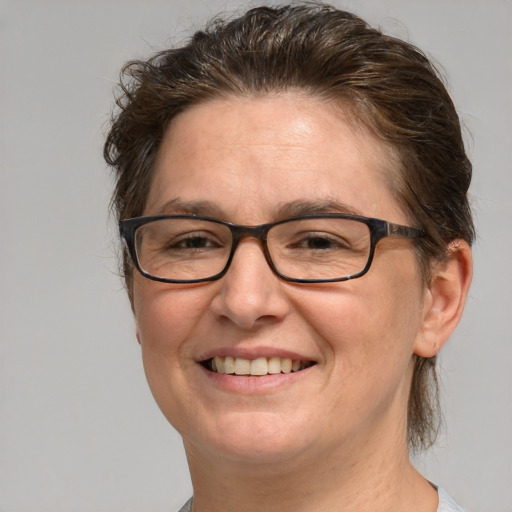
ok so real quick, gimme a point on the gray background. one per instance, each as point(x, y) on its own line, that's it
point(78, 428)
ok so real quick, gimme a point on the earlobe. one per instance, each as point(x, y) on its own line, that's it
point(445, 298)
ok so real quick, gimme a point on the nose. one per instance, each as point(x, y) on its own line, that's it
point(250, 294)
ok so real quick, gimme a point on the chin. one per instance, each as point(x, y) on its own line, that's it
point(253, 438)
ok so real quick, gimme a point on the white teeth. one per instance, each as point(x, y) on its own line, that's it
point(219, 364)
point(274, 365)
point(258, 366)
point(242, 366)
point(229, 365)
point(286, 365)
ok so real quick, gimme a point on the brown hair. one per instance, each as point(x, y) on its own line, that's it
point(390, 86)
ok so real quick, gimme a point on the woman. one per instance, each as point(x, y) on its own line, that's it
point(292, 190)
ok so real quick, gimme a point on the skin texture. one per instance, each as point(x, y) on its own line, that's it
point(333, 435)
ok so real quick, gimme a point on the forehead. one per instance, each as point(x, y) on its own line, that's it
point(270, 150)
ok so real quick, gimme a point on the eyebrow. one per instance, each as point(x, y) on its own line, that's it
point(281, 211)
point(178, 206)
point(308, 207)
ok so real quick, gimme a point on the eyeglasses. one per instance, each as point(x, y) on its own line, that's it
point(305, 249)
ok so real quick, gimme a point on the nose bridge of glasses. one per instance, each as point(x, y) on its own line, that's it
point(240, 232)
point(258, 233)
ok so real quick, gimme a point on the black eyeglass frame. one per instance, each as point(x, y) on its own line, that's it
point(379, 229)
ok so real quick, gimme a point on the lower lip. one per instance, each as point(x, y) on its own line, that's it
point(254, 385)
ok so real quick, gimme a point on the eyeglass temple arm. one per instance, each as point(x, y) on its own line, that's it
point(403, 231)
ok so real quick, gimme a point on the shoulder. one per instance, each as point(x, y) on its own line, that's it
point(447, 503)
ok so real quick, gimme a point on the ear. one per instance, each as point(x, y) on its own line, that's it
point(445, 298)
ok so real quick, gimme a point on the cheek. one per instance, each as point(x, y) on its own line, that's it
point(166, 319)
point(165, 316)
point(368, 325)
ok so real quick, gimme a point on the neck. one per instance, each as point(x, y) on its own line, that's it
point(376, 478)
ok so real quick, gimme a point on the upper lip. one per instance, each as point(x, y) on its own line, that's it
point(253, 353)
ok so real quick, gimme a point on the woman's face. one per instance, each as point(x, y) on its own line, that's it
point(253, 161)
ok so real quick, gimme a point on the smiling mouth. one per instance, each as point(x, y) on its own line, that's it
point(255, 367)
